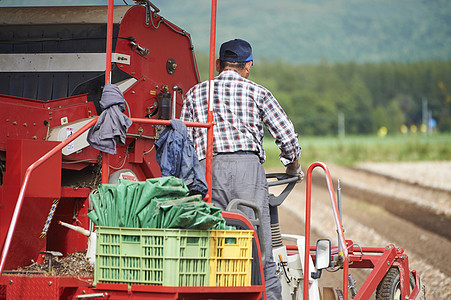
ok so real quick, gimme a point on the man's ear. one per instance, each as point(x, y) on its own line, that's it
point(247, 68)
point(218, 66)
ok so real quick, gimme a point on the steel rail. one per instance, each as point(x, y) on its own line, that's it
point(338, 224)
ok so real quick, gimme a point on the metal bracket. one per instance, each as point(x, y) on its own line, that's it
point(140, 50)
point(49, 256)
point(171, 66)
point(148, 4)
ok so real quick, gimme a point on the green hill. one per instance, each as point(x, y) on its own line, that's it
point(373, 63)
point(307, 31)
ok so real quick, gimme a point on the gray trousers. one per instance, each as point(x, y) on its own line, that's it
point(242, 176)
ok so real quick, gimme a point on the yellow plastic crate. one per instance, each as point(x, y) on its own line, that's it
point(230, 257)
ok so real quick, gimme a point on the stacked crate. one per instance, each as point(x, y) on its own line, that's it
point(173, 257)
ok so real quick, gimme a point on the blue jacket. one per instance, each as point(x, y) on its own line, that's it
point(177, 157)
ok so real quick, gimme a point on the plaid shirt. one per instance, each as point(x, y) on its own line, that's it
point(240, 108)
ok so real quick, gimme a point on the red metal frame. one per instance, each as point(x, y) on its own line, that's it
point(378, 259)
point(43, 287)
point(109, 42)
point(23, 188)
point(109, 53)
point(307, 226)
point(70, 287)
point(118, 290)
point(48, 155)
point(24, 117)
point(210, 118)
point(35, 119)
point(253, 292)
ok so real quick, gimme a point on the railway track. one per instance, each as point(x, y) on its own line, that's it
point(379, 210)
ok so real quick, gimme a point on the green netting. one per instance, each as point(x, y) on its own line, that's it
point(154, 203)
point(187, 213)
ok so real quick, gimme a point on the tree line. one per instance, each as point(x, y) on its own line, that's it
point(368, 96)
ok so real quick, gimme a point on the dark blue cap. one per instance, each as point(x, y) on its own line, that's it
point(236, 51)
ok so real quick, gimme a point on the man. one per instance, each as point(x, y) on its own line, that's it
point(240, 108)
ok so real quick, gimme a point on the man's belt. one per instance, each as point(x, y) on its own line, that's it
point(240, 152)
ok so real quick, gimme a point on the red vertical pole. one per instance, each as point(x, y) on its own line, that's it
point(109, 51)
point(109, 41)
point(308, 202)
point(210, 119)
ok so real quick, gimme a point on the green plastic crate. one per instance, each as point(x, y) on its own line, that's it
point(168, 257)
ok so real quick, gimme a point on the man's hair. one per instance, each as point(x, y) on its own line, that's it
point(236, 65)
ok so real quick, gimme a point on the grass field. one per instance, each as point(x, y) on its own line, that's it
point(351, 150)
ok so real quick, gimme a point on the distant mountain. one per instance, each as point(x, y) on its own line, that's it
point(307, 31)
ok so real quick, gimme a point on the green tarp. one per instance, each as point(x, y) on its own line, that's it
point(155, 203)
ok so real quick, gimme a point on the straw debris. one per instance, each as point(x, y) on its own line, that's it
point(74, 265)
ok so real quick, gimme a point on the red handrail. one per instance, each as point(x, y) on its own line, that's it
point(28, 172)
point(210, 119)
point(168, 122)
point(209, 160)
point(52, 152)
point(337, 223)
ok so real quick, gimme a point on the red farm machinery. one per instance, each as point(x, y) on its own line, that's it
point(53, 69)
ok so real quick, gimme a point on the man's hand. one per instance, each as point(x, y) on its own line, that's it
point(294, 169)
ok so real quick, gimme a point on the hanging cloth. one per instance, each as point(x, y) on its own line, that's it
point(112, 125)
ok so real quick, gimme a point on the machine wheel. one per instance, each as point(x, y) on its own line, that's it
point(390, 286)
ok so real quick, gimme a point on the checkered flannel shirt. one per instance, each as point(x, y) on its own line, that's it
point(240, 107)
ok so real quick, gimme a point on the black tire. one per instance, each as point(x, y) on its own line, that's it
point(390, 286)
